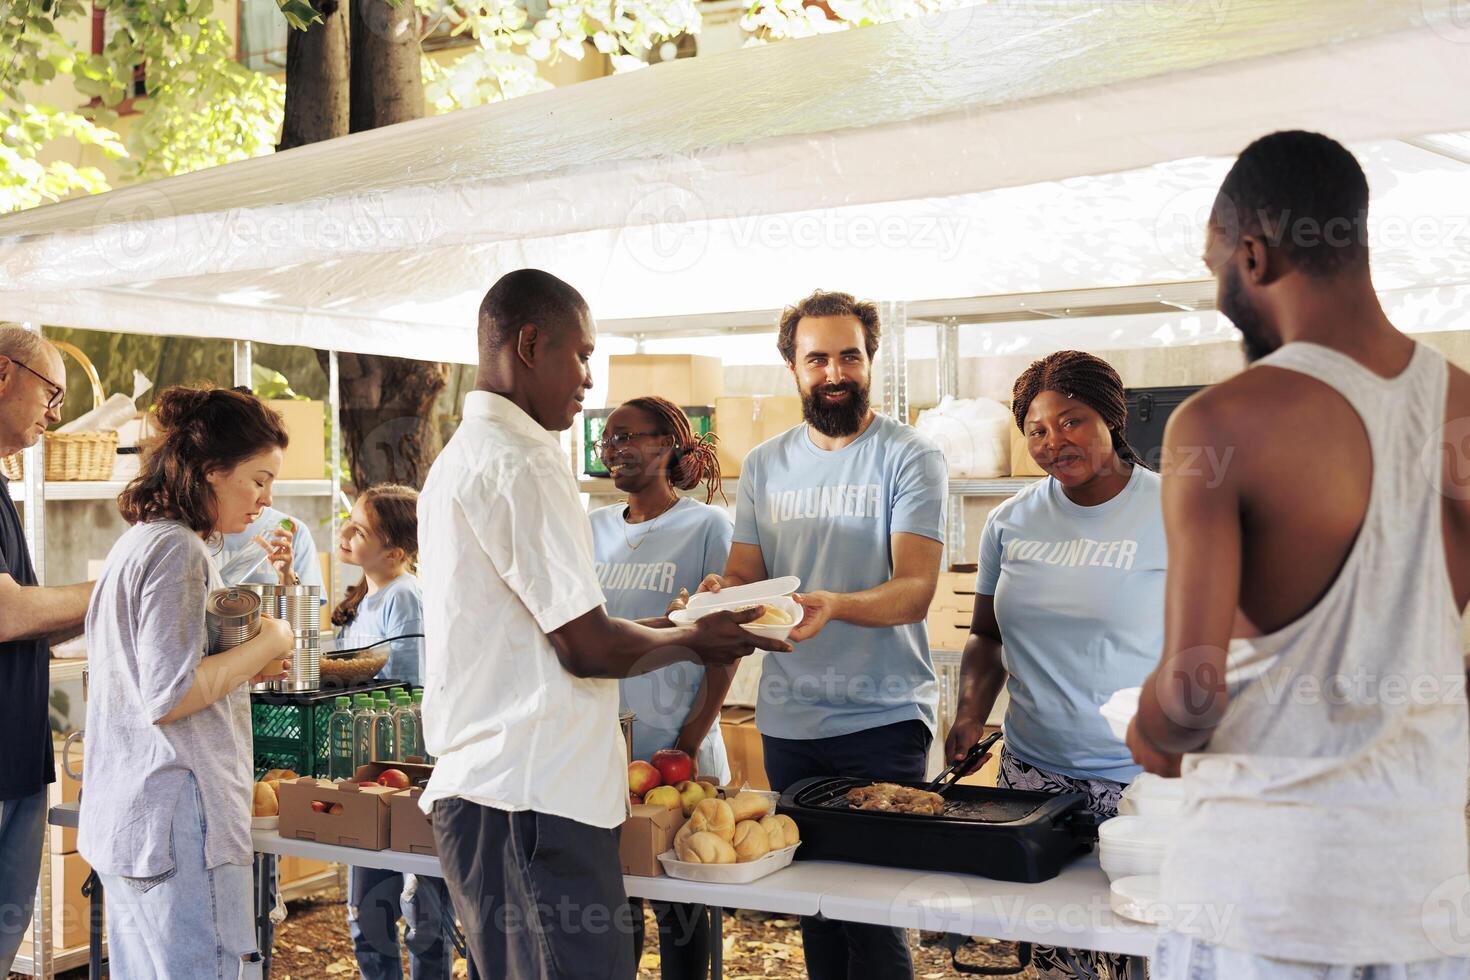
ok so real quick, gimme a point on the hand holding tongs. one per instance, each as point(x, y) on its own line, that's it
point(962, 767)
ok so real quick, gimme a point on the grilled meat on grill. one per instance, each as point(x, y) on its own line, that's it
point(893, 798)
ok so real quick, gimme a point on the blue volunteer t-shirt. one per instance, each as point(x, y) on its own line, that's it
point(828, 518)
point(396, 609)
point(640, 568)
point(1079, 596)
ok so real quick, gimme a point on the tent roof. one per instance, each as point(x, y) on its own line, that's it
point(996, 149)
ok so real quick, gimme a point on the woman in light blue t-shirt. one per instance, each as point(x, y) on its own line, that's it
point(1069, 604)
point(650, 551)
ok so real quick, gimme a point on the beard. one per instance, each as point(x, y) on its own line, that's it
point(1256, 338)
point(841, 419)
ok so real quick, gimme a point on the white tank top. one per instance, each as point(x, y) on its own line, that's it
point(1325, 820)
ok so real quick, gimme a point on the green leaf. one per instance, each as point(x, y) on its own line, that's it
point(299, 14)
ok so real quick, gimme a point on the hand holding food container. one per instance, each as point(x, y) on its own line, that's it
point(776, 613)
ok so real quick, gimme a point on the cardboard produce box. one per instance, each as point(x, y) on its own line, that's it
point(361, 822)
point(743, 748)
point(742, 423)
point(69, 908)
point(648, 832)
point(409, 828)
point(306, 424)
point(684, 379)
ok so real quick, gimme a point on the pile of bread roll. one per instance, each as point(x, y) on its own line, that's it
point(266, 804)
point(734, 831)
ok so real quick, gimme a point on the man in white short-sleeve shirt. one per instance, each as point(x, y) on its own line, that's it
point(521, 699)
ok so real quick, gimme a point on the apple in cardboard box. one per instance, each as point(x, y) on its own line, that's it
point(674, 765)
point(642, 777)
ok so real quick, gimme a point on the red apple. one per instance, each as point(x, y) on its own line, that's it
point(318, 806)
point(642, 777)
point(396, 778)
point(634, 799)
point(335, 809)
point(673, 765)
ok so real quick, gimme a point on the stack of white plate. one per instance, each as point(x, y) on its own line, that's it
point(1131, 845)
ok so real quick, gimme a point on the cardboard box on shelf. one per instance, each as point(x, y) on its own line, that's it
point(684, 379)
point(950, 611)
point(1021, 462)
point(361, 822)
point(409, 828)
point(743, 748)
point(743, 422)
point(306, 424)
point(647, 833)
point(69, 907)
point(290, 870)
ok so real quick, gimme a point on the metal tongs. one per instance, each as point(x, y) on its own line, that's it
point(962, 767)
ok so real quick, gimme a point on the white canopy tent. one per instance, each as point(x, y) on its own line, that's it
point(963, 162)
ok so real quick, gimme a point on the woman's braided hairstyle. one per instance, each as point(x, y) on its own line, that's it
point(1085, 377)
point(693, 460)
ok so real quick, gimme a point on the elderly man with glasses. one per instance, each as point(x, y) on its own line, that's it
point(32, 388)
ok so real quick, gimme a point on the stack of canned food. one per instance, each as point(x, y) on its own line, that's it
point(300, 605)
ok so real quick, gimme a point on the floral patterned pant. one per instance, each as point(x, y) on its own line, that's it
point(1053, 962)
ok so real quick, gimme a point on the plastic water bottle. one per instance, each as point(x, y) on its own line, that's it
point(362, 731)
point(385, 745)
point(418, 710)
point(339, 740)
point(406, 729)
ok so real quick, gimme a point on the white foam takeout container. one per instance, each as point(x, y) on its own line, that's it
point(1137, 898)
point(1119, 710)
point(728, 874)
point(775, 593)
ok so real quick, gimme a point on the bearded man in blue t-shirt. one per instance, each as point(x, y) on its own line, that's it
point(852, 503)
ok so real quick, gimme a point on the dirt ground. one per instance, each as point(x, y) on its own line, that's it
point(313, 944)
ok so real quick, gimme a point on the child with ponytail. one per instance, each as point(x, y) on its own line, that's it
point(382, 538)
point(649, 551)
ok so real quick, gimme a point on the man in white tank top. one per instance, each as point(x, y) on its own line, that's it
point(1312, 688)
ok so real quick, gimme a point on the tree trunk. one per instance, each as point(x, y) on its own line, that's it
point(317, 79)
point(387, 78)
point(388, 425)
point(387, 417)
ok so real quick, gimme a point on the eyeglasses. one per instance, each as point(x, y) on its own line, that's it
point(58, 393)
point(620, 439)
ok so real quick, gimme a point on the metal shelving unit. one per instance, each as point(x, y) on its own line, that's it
point(40, 958)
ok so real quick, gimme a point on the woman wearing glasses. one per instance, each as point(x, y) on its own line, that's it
point(649, 551)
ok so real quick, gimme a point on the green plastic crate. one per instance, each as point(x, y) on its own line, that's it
point(291, 729)
point(594, 420)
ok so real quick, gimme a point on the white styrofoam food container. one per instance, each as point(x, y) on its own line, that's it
point(746, 595)
point(1119, 710)
point(1128, 846)
point(1152, 796)
point(788, 605)
point(728, 874)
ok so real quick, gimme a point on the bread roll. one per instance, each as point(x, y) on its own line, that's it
point(750, 841)
point(750, 806)
point(775, 832)
point(685, 832)
point(715, 817)
point(788, 826)
point(770, 616)
point(703, 847)
point(265, 803)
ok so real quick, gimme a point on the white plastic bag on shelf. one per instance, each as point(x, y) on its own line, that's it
point(975, 434)
point(112, 414)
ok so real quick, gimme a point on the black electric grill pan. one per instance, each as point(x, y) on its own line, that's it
point(1006, 834)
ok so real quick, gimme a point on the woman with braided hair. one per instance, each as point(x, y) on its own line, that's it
point(650, 552)
point(1069, 605)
